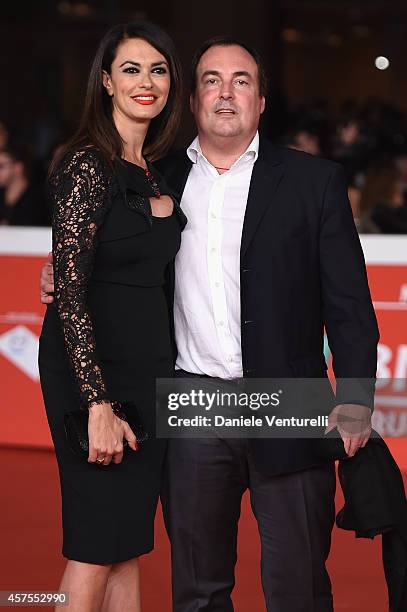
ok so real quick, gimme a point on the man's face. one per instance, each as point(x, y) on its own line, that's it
point(227, 101)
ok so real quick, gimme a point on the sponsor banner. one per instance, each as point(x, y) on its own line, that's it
point(22, 253)
point(22, 418)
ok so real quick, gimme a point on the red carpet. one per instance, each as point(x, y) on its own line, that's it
point(30, 546)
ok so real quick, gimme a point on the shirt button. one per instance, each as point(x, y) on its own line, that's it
point(217, 284)
point(213, 250)
point(221, 323)
point(213, 215)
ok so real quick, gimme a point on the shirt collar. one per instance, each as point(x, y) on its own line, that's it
point(194, 150)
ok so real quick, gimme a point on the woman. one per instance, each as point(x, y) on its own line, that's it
point(115, 229)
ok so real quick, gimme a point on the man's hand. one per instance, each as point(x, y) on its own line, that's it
point(47, 282)
point(354, 424)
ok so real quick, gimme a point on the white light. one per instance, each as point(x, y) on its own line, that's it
point(381, 62)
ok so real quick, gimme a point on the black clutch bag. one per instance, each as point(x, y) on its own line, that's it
point(76, 426)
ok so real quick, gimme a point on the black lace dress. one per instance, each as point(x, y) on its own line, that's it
point(107, 337)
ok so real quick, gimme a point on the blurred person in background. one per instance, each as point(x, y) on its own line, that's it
point(22, 201)
point(349, 147)
point(309, 126)
point(303, 139)
point(382, 201)
point(347, 136)
point(363, 220)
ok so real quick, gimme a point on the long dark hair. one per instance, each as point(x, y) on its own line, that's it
point(96, 127)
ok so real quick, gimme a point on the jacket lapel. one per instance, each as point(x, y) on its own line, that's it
point(267, 173)
point(177, 173)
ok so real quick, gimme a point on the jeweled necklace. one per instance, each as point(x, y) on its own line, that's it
point(153, 183)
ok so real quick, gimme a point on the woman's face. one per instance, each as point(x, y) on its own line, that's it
point(139, 81)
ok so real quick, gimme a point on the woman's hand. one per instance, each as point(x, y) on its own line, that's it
point(106, 432)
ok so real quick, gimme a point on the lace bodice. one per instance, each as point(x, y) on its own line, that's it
point(80, 190)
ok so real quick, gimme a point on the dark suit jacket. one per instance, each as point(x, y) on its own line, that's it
point(301, 268)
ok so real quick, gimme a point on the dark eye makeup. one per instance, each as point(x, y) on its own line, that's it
point(155, 70)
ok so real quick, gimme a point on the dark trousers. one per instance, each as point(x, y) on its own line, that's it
point(203, 487)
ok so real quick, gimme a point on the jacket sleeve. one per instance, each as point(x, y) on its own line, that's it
point(79, 191)
point(348, 313)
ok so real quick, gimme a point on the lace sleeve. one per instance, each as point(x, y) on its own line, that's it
point(80, 192)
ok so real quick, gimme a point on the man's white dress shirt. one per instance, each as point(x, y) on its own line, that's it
point(207, 266)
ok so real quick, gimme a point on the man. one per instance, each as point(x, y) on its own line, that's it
point(269, 256)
